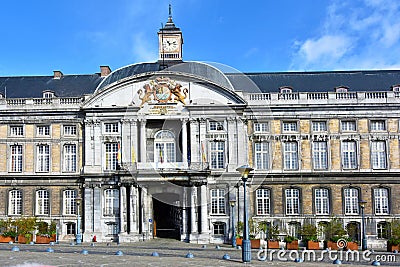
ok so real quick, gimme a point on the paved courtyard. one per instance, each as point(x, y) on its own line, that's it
point(171, 253)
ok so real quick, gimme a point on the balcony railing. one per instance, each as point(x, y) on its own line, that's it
point(41, 101)
point(322, 98)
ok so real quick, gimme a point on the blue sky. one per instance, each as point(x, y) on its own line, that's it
point(77, 36)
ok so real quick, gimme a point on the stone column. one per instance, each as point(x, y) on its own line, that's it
point(204, 212)
point(122, 209)
point(97, 144)
point(184, 142)
point(194, 141)
point(193, 211)
point(232, 145)
point(97, 200)
point(185, 205)
point(143, 142)
point(134, 142)
point(133, 215)
point(88, 211)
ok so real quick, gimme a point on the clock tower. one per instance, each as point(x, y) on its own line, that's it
point(170, 43)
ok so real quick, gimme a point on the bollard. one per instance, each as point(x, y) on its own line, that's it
point(189, 255)
point(298, 260)
point(226, 257)
point(203, 246)
point(238, 247)
point(15, 248)
point(217, 247)
point(31, 243)
point(10, 242)
point(119, 253)
point(52, 243)
point(376, 263)
point(84, 252)
point(337, 261)
point(49, 250)
point(154, 254)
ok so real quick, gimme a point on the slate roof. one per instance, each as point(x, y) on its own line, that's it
point(33, 86)
point(374, 80)
point(79, 85)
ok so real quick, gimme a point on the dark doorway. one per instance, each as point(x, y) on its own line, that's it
point(167, 216)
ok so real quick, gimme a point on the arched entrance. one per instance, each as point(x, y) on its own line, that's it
point(167, 215)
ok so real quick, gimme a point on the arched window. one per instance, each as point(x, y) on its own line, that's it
point(15, 202)
point(381, 201)
point(164, 146)
point(42, 202)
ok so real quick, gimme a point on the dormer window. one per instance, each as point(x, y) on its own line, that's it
point(285, 90)
point(396, 88)
point(341, 89)
point(48, 94)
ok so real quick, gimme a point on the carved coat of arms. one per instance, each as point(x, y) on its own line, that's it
point(162, 90)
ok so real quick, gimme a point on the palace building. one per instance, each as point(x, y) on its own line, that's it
point(151, 149)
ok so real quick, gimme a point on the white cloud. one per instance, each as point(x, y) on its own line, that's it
point(361, 34)
point(143, 51)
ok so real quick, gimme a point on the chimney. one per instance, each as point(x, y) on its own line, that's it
point(104, 71)
point(57, 74)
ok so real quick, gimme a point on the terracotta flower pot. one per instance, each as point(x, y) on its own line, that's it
point(255, 243)
point(314, 245)
point(239, 241)
point(294, 245)
point(352, 246)
point(23, 240)
point(273, 244)
point(6, 239)
point(390, 247)
point(331, 245)
point(42, 239)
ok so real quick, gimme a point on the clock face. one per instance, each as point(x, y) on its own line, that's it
point(170, 44)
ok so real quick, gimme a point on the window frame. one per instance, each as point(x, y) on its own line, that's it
point(164, 146)
point(290, 127)
point(290, 156)
point(16, 159)
point(261, 127)
point(15, 202)
point(379, 156)
point(16, 131)
point(326, 199)
point(69, 202)
point(320, 156)
point(111, 156)
point(380, 203)
point(346, 126)
point(43, 158)
point(111, 202)
point(217, 154)
point(70, 158)
point(221, 226)
point(263, 152)
point(374, 125)
point(346, 155)
point(352, 202)
point(317, 129)
point(216, 126)
point(111, 128)
point(72, 130)
point(217, 201)
point(42, 203)
point(43, 130)
point(292, 201)
point(263, 201)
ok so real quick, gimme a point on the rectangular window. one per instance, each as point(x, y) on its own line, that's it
point(215, 126)
point(321, 201)
point(292, 201)
point(16, 158)
point(217, 153)
point(111, 202)
point(289, 126)
point(15, 202)
point(111, 127)
point(378, 125)
point(263, 201)
point(70, 202)
point(16, 130)
point(111, 156)
point(378, 155)
point(165, 152)
point(351, 201)
point(71, 228)
point(217, 201)
point(290, 154)
point(112, 228)
point(43, 158)
point(320, 155)
point(261, 151)
point(219, 228)
point(42, 202)
point(261, 127)
point(319, 126)
point(348, 126)
point(70, 130)
point(349, 155)
point(381, 200)
point(43, 130)
point(70, 158)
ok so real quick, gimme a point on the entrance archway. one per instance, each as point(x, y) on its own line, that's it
point(167, 215)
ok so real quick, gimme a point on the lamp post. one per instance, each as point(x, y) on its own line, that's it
point(232, 203)
point(246, 248)
point(364, 237)
point(78, 224)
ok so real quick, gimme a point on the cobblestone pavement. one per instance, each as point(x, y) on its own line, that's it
point(171, 253)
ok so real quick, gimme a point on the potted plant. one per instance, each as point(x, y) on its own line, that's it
point(25, 228)
point(333, 232)
point(352, 231)
point(254, 230)
point(239, 233)
point(309, 236)
point(8, 232)
point(53, 231)
point(393, 242)
point(42, 236)
point(272, 237)
point(291, 242)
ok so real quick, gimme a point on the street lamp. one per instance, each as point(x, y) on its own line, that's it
point(232, 203)
point(246, 248)
point(364, 237)
point(78, 224)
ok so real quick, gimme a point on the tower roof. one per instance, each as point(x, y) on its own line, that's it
point(170, 25)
